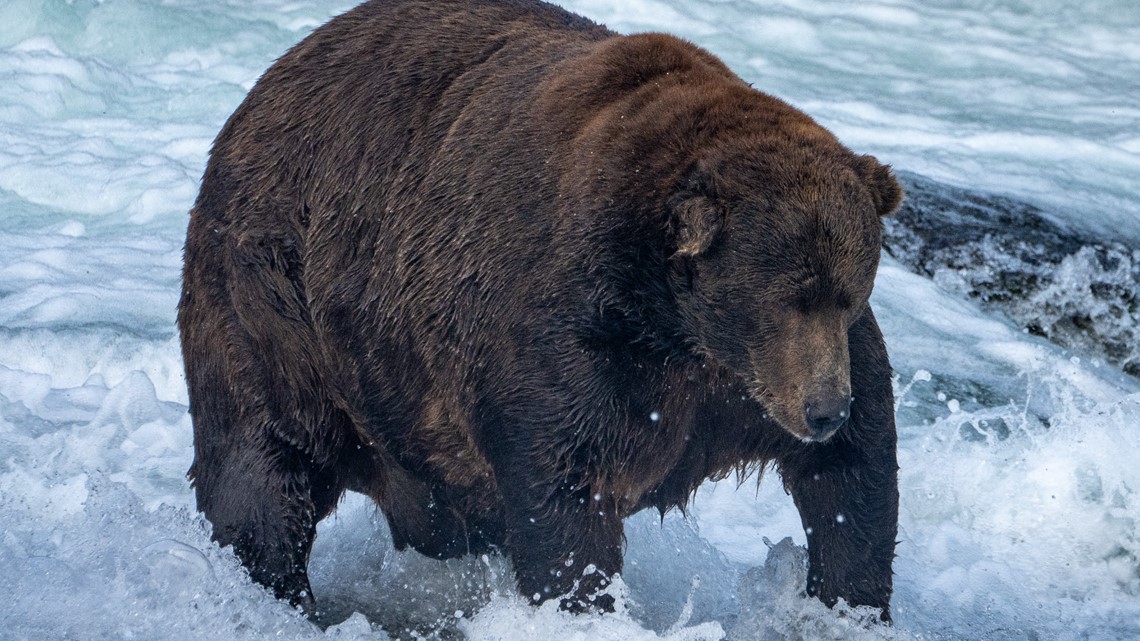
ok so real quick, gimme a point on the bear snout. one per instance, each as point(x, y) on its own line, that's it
point(824, 416)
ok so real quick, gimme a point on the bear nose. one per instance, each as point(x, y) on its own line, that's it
point(824, 417)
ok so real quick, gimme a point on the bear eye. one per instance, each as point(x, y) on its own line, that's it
point(815, 298)
point(844, 301)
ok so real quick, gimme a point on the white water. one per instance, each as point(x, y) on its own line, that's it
point(1019, 506)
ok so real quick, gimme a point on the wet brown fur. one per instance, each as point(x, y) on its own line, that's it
point(455, 254)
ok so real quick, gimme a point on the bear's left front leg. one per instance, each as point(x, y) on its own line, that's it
point(565, 545)
point(564, 539)
point(846, 489)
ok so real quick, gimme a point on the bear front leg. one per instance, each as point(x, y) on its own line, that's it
point(567, 548)
point(846, 489)
point(564, 542)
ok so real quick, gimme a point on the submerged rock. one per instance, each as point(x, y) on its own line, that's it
point(1053, 279)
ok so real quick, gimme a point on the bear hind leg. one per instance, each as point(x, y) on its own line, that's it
point(263, 503)
point(266, 460)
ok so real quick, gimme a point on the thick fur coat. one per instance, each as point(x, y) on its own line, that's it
point(516, 277)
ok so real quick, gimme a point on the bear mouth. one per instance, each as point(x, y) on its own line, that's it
point(792, 422)
point(774, 412)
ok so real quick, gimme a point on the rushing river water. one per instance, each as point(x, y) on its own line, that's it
point(1019, 509)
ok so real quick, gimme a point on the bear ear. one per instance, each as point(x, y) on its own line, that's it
point(885, 190)
point(695, 223)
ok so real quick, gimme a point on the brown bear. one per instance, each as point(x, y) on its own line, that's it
point(516, 277)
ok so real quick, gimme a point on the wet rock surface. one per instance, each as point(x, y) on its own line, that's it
point(1055, 281)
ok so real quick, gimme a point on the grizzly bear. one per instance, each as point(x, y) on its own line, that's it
point(516, 277)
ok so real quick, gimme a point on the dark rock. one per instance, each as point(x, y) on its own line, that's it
point(1053, 279)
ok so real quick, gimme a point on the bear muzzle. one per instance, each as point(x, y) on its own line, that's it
point(824, 416)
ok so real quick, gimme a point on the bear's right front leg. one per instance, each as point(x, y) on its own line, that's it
point(846, 489)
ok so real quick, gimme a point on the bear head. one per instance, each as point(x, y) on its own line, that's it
point(776, 246)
